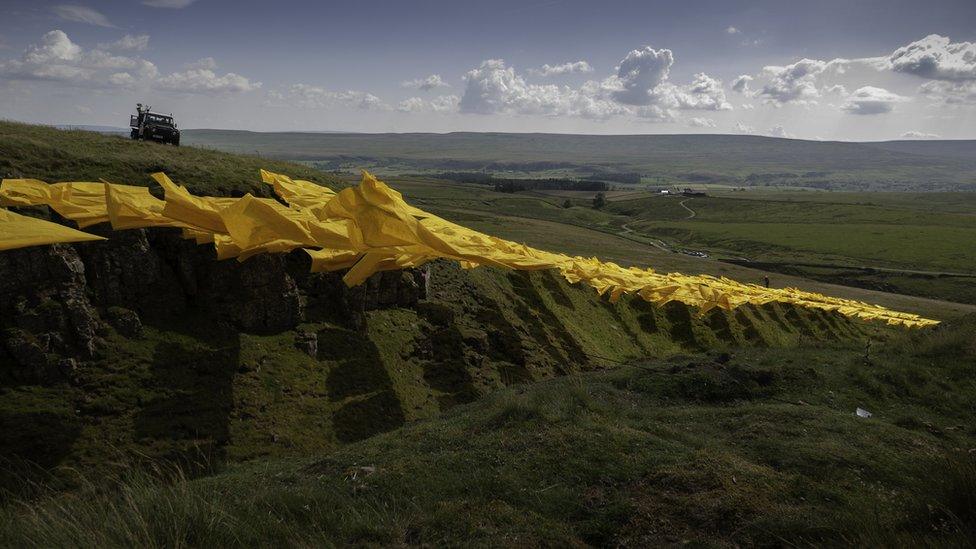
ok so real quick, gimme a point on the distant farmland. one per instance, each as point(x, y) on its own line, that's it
point(659, 159)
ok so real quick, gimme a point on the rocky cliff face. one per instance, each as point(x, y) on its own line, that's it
point(55, 301)
point(145, 345)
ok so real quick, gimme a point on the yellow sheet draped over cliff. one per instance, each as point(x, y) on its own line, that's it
point(20, 231)
point(370, 228)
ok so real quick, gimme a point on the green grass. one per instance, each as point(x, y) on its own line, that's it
point(54, 155)
point(761, 448)
point(508, 409)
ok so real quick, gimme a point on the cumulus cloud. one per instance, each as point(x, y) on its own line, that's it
point(128, 42)
point(81, 14)
point(779, 131)
point(936, 57)
point(697, 122)
point(206, 81)
point(743, 128)
point(950, 93)
point(732, 30)
point(573, 67)
point(919, 135)
point(315, 97)
point(639, 88)
point(440, 104)
point(949, 66)
point(494, 87)
point(144, 73)
point(56, 57)
point(871, 100)
point(171, 4)
point(425, 84)
point(704, 93)
point(639, 73)
point(204, 63)
point(741, 83)
point(795, 83)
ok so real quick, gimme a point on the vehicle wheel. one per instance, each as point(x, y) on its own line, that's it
point(134, 134)
point(176, 141)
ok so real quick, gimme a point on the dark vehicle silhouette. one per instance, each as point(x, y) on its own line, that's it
point(151, 126)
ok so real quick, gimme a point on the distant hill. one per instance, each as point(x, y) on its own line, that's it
point(955, 148)
point(660, 159)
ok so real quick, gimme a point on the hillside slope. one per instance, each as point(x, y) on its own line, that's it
point(53, 155)
point(757, 449)
point(665, 159)
point(144, 345)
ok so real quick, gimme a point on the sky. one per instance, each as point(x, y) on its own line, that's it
point(827, 70)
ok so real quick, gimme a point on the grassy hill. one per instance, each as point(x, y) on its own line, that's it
point(760, 448)
point(505, 408)
point(660, 159)
point(52, 155)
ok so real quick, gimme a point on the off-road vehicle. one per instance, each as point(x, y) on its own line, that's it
point(153, 126)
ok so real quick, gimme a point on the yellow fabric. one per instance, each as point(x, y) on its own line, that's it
point(20, 231)
point(370, 228)
point(83, 203)
point(298, 193)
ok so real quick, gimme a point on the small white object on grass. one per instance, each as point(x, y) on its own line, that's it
point(861, 412)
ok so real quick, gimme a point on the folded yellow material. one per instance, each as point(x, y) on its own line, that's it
point(20, 231)
point(371, 228)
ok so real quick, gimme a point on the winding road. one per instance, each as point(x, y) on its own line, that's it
point(691, 213)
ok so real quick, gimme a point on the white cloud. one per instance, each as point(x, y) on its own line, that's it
point(426, 84)
point(919, 135)
point(205, 63)
point(314, 97)
point(701, 122)
point(779, 131)
point(937, 58)
point(573, 67)
point(704, 93)
point(639, 72)
point(741, 83)
point(171, 4)
point(950, 93)
point(128, 42)
point(440, 104)
point(838, 89)
point(732, 30)
point(206, 81)
point(144, 73)
point(494, 87)
point(81, 14)
point(794, 83)
point(57, 58)
point(743, 128)
point(639, 88)
point(871, 100)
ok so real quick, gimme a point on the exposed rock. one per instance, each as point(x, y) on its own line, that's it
point(127, 271)
point(43, 292)
point(125, 321)
point(257, 295)
point(308, 343)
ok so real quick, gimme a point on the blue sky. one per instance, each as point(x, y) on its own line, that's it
point(813, 70)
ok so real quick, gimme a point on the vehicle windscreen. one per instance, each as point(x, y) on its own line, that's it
point(163, 120)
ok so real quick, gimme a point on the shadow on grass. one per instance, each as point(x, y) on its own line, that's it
point(360, 382)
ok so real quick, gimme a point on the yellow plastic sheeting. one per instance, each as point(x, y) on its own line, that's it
point(370, 228)
point(20, 231)
point(298, 193)
point(83, 203)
